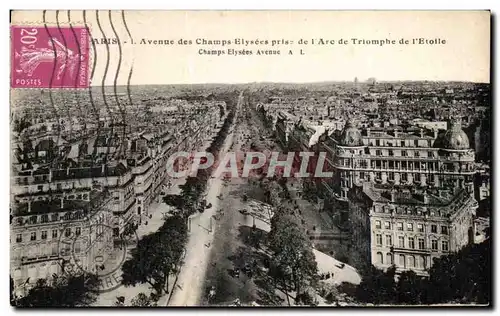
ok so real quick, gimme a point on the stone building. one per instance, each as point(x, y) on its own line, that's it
point(409, 227)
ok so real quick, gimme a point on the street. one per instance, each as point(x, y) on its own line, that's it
point(188, 290)
point(220, 238)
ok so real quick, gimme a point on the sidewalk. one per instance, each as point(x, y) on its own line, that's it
point(311, 214)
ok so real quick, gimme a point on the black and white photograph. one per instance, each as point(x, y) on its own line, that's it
point(265, 159)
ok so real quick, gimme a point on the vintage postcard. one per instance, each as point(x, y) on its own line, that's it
point(250, 158)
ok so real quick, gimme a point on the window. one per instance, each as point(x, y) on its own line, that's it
point(54, 233)
point(389, 258)
point(434, 228)
point(387, 225)
point(378, 224)
point(19, 238)
point(411, 261)
point(411, 242)
point(416, 177)
point(388, 240)
point(378, 152)
point(402, 260)
point(40, 187)
point(444, 230)
point(55, 217)
point(434, 244)
point(391, 176)
point(420, 227)
point(78, 231)
point(380, 257)
point(444, 245)
point(421, 243)
point(400, 226)
point(404, 177)
point(54, 250)
point(33, 219)
point(421, 263)
point(409, 227)
point(379, 239)
point(139, 210)
point(404, 153)
point(44, 234)
point(77, 247)
point(417, 154)
point(45, 218)
point(401, 241)
point(33, 236)
point(391, 152)
point(116, 232)
point(67, 232)
point(430, 154)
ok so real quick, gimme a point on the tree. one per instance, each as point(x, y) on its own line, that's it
point(463, 277)
point(293, 258)
point(62, 291)
point(148, 263)
point(377, 286)
point(409, 288)
point(176, 201)
point(156, 256)
point(142, 300)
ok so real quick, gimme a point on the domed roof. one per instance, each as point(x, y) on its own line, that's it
point(455, 137)
point(351, 135)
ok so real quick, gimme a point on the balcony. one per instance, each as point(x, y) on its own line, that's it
point(397, 249)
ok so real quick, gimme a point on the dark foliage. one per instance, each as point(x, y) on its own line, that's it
point(62, 291)
point(156, 256)
point(293, 260)
point(378, 287)
point(462, 277)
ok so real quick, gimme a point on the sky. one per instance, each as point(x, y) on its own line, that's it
point(464, 57)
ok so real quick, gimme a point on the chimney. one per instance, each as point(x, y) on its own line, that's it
point(421, 132)
point(393, 196)
point(435, 132)
point(67, 171)
point(425, 197)
point(103, 167)
point(395, 133)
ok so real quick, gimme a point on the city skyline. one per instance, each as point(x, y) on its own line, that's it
point(198, 162)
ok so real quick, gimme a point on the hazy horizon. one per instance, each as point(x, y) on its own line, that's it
point(292, 83)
